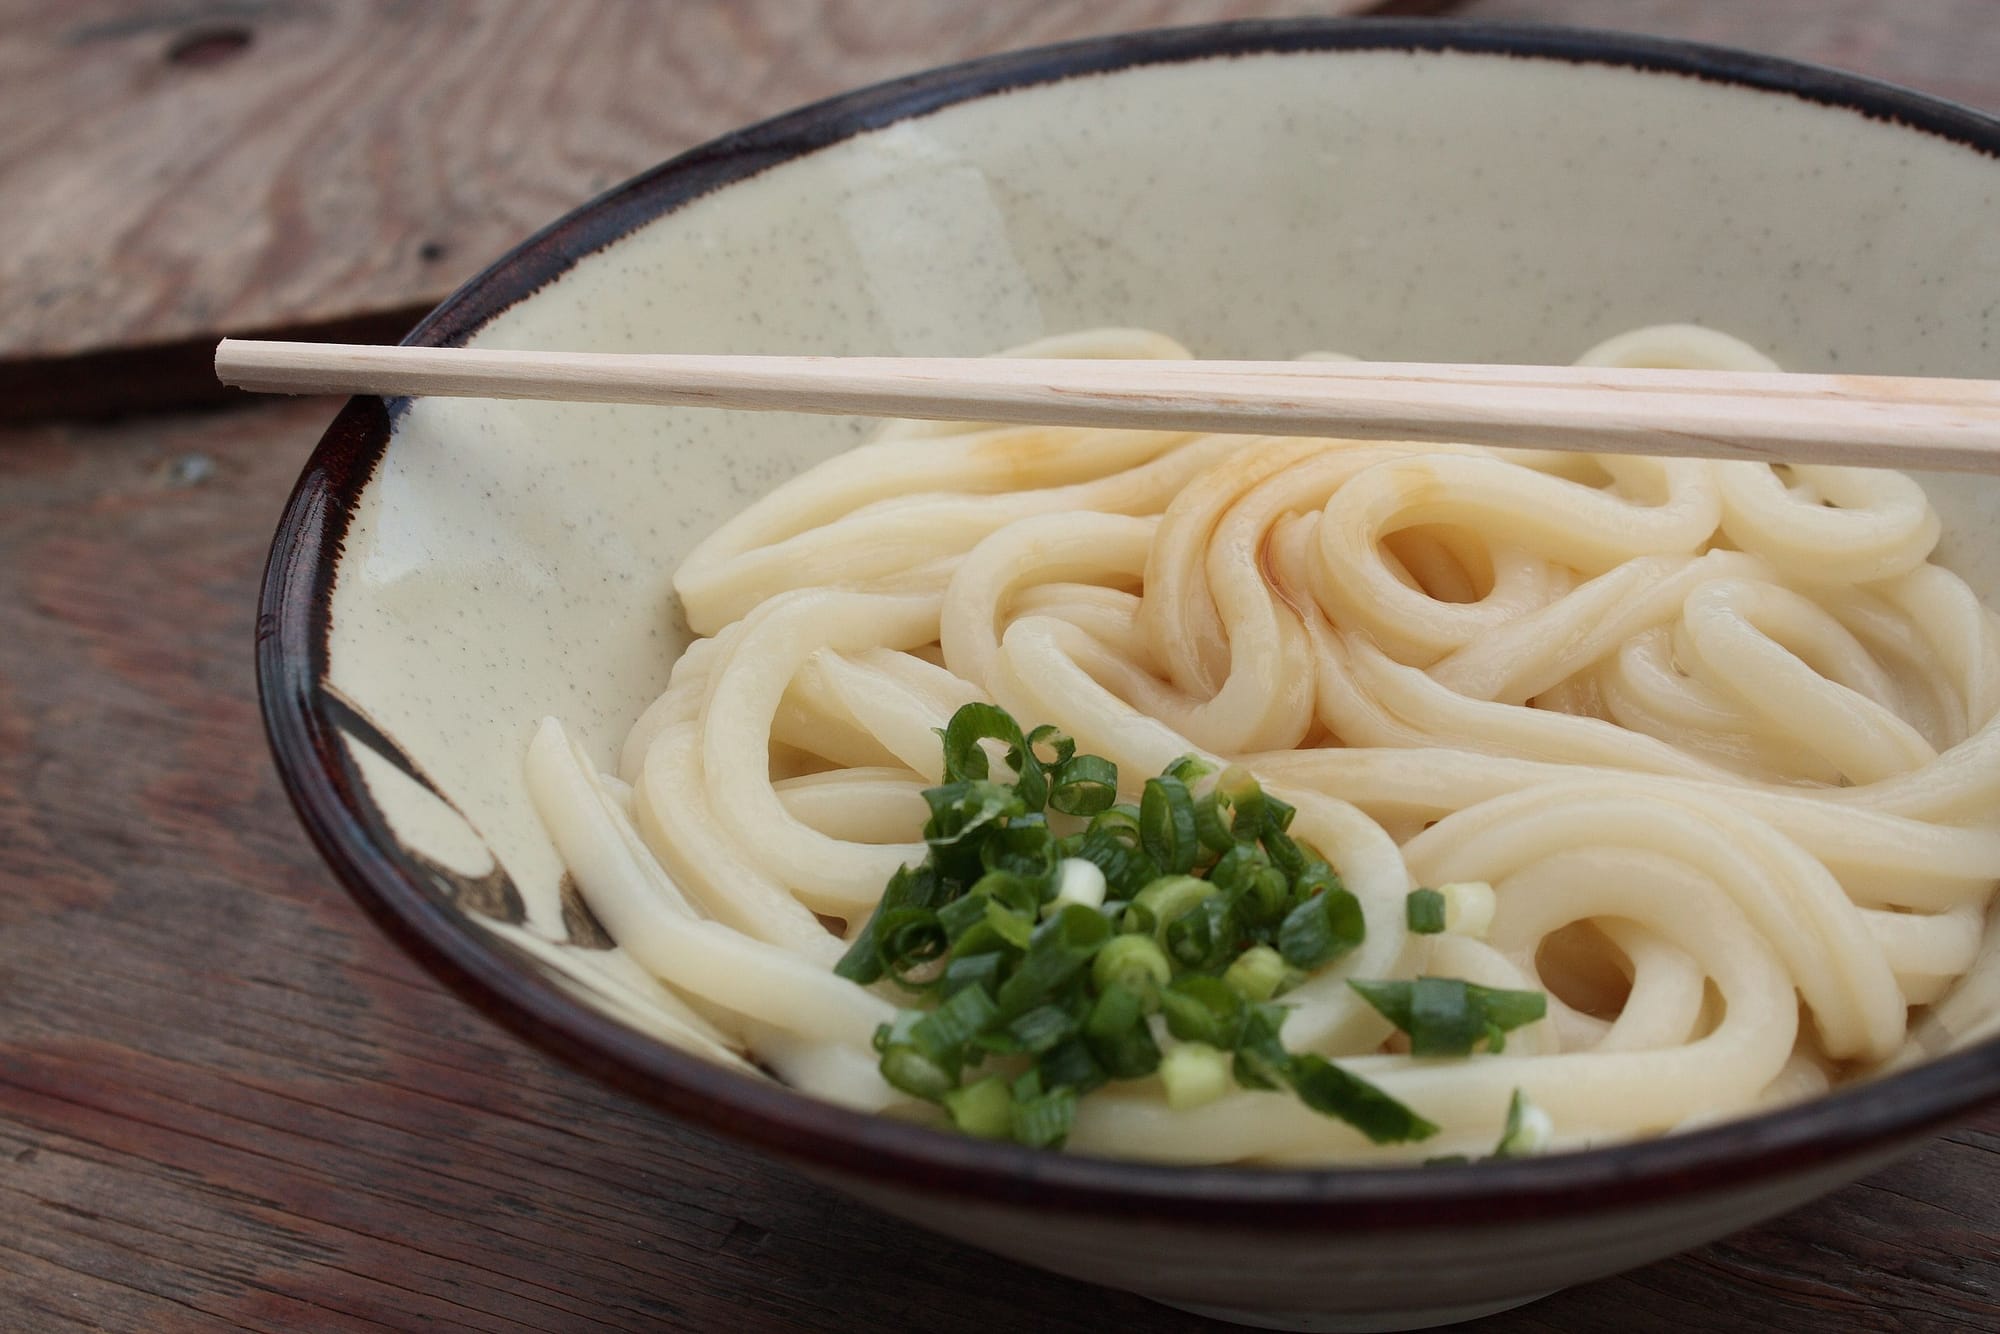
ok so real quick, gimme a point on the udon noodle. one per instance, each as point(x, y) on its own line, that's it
point(1717, 736)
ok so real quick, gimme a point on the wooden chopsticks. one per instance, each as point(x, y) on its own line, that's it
point(1864, 420)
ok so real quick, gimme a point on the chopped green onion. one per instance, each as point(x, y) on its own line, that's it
point(1277, 815)
point(1014, 928)
point(910, 1070)
point(1024, 850)
point(941, 1034)
point(1120, 821)
point(1332, 1091)
point(1423, 911)
point(1193, 1073)
point(961, 810)
point(1042, 1028)
point(1528, 1129)
point(1267, 898)
point(1250, 808)
point(1070, 1065)
point(965, 760)
point(961, 915)
point(1314, 875)
point(863, 962)
point(1261, 1059)
point(1083, 785)
point(1285, 853)
point(1056, 740)
point(1126, 869)
point(1019, 892)
point(1445, 1016)
point(1042, 1121)
point(1115, 1010)
point(1119, 1037)
point(1258, 974)
point(1078, 881)
point(1134, 963)
point(1204, 1009)
point(1235, 869)
point(1061, 946)
point(1159, 904)
point(1510, 1009)
point(1210, 826)
point(1219, 910)
point(906, 940)
point(1188, 769)
point(983, 1108)
point(1205, 937)
point(1322, 929)
point(1166, 824)
point(972, 970)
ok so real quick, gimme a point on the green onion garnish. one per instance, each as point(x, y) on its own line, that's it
point(1321, 929)
point(1194, 1073)
point(1166, 825)
point(1423, 912)
point(1209, 909)
point(983, 1108)
point(1259, 973)
point(1084, 785)
point(1447, 1017)
point(1132, 962)
point(1043, 1121)
point(1325, 1087)
point(1527, 1129)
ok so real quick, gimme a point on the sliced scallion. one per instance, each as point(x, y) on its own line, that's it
point(1445, 1016)
point(1528, 1129)
point(1083, 785)
point(1166, 825)
point(1423, 912)
point(983, 1108)
point(1043, 1121)
point(1258, 974)
point(1321, 929)
point(1135, 963)
point(1193, 1073)
point(1333, 1091)
point(1060, 946)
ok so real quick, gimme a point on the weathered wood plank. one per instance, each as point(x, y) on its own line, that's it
point(207, 168)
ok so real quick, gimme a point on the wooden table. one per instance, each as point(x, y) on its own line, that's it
point(224, 1097)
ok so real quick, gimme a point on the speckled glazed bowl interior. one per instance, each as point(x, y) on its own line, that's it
point(448, 572)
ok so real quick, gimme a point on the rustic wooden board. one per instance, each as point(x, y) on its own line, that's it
point(185, 170)
point(226, 1098)
point(336, 169)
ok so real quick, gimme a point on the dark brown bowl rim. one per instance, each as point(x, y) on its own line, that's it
point(304, 726)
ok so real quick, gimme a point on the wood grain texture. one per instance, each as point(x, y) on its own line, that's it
point(194, 168)
point(201, 168)
point(226, 1100)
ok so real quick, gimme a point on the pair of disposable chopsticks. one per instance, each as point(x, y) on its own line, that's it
point(1865, 420)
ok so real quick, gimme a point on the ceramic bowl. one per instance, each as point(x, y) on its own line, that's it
point(448, 572)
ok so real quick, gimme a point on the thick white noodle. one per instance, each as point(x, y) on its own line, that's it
point(1720, 739)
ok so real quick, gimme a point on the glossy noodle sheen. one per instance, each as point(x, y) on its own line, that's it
point(1717, 735)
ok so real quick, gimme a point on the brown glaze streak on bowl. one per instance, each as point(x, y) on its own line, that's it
point(1863, 1121)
